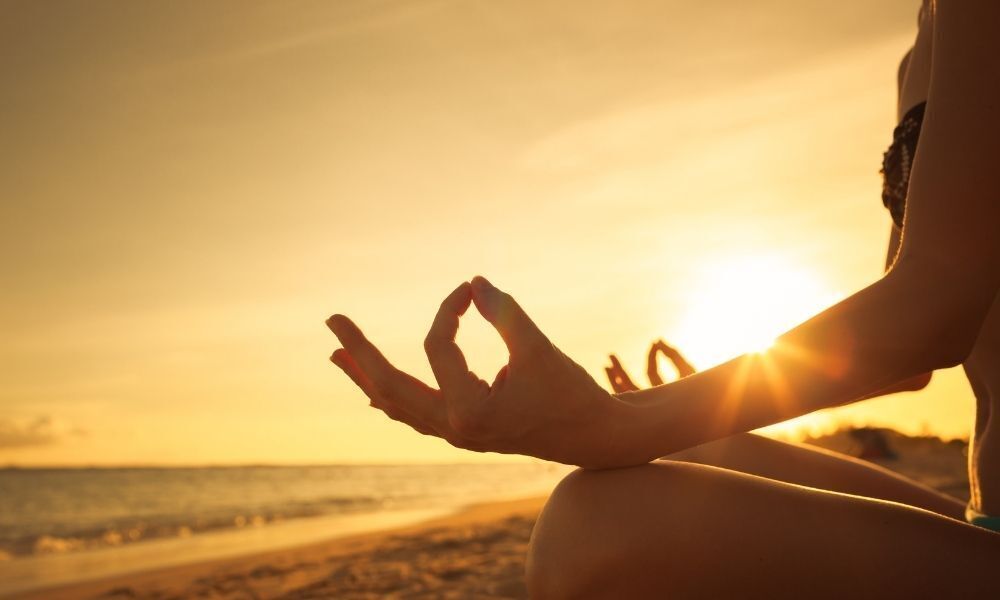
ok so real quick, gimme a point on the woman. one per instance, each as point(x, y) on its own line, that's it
point(770, 520)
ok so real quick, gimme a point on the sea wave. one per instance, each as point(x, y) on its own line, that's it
point(129, 531)
point(59, 511)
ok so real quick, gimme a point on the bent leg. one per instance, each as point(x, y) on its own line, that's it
point(681, 530)
point(818, 468)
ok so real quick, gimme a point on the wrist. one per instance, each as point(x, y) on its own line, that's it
point(624, 421)
point(653, 423)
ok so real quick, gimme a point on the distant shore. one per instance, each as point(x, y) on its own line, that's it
point(478, 551)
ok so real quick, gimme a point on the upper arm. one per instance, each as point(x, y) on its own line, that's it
point(952, 217)
point(893, 250)
point(904, 64)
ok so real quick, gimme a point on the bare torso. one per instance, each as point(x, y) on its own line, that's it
point(983, 365)
point(984, 447)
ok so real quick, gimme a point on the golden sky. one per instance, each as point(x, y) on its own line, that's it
point(189, 189)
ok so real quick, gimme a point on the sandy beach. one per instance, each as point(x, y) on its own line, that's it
point(475, 553)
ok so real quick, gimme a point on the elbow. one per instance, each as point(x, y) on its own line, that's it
point(952, 307)
point(921, 381)
point(915, 384)
point(958, 337)
point(949, 348)
point(952, 354)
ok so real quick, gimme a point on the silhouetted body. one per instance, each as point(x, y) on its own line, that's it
point(735, 515)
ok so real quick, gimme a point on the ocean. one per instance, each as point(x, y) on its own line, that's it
point(64, 525)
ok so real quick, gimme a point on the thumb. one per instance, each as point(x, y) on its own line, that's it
point(503, 312)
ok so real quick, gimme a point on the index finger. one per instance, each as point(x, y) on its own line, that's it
point(393, 387)
point(446, 358)
point(515, 327)
point(365, 354)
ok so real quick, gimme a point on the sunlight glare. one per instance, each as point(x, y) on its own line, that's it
point(743, 304)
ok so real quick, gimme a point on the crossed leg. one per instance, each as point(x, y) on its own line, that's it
point(685, 530)
point(814, 467)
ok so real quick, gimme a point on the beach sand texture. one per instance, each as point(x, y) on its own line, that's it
point(476, 553)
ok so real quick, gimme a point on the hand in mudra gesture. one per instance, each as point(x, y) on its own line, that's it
point(541, 403)
point(619, 377)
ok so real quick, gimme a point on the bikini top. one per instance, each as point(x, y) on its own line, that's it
point(898, 161)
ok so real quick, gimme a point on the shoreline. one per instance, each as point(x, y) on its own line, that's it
point(389, 559)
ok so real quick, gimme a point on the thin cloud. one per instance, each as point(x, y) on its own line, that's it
point(40, 431)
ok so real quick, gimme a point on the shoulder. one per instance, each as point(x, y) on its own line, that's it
point(966, 23)
point(901, 73)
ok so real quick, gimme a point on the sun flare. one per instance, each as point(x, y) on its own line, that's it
point(742, 304)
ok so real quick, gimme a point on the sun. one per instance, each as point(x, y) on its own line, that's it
point(741, 304)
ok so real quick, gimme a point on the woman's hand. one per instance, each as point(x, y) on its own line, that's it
point(620, 381)
point(541, 403)
point(683, 367)
point(619, 377)
point(652, 365)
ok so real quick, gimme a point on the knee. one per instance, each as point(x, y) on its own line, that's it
point(556, 549)
point(586, 530)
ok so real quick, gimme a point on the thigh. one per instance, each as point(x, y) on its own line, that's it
point(815, 467)
point(682, 530)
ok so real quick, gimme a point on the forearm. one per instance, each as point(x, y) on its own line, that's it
point(910, 322)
